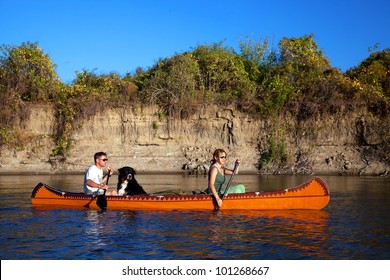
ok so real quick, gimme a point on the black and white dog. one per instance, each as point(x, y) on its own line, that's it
point(127, 184)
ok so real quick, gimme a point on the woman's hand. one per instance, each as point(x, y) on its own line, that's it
point(238, 161)
point(219, 202)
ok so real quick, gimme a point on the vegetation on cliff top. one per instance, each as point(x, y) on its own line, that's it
point(294, 79)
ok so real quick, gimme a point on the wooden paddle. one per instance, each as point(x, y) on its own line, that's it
point(230, 181)
point(101, 199)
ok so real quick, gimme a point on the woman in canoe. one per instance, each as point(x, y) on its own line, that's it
point(217, 176)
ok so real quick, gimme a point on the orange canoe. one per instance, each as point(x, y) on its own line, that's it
point(314, 194)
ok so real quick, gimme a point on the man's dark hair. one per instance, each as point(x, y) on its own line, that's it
point(98, 155)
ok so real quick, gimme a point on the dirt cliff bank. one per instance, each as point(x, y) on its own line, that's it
point(352, 145)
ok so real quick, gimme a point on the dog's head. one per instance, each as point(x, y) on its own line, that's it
point(126, 173)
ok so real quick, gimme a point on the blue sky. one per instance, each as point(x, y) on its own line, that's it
point(119, 36)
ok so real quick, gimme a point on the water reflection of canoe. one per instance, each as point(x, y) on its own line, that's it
point(301, 233)
point(311, 195)
point(296, 216)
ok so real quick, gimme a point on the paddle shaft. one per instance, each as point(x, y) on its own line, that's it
point(101, 200)
point(230, 180)
point(108, 177)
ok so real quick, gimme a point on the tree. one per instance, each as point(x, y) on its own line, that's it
point(28, 73)
point(306, 71)
point(174, 83)
point(302, 61)
point(174, 86)
point(258, 57)
point(374, 71)
point(223, 75)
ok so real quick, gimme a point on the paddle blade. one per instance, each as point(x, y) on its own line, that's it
point(101, 201)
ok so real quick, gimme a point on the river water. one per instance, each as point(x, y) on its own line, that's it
point(355, 225)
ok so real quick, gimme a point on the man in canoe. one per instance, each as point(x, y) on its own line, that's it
point(217, 176)
point(94, 181)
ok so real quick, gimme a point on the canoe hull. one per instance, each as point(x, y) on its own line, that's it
point(314, 194)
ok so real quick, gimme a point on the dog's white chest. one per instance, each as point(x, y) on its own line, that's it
point(121, 191)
